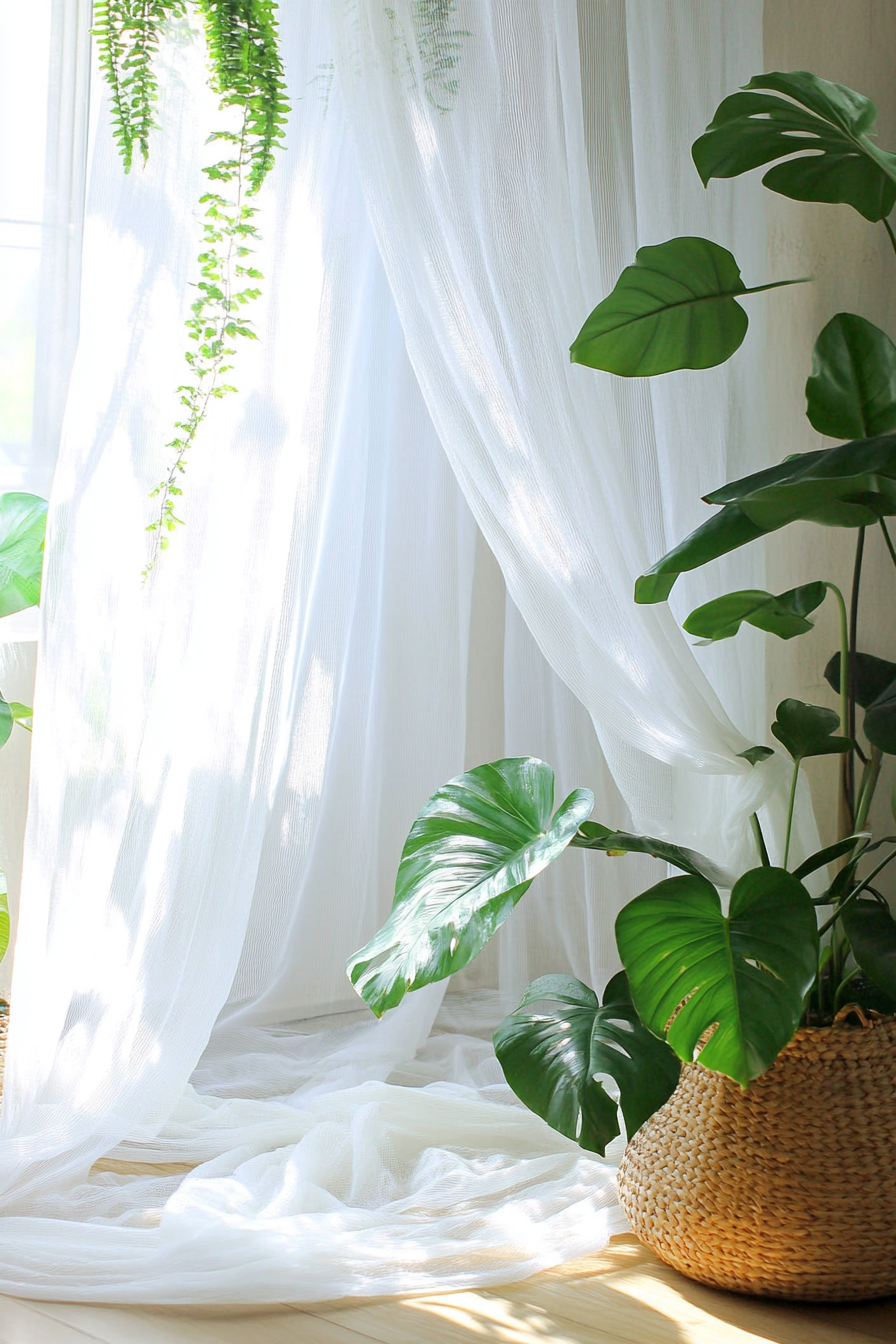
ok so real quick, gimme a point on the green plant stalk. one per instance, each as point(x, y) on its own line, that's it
point(890, 548)
point(790, 806)
point(867, 786)
point(760, 840)
point(850, 758)
point(844, 659)
point(856, 891)
point(890, 234)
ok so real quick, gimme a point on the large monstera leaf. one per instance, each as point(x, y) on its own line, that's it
point(852, 485)
point(22, 524)
point(675, 308)
point(851, 393)
point(828, 125)
point(552, 1059)
point(728, 989)
point(470, 855)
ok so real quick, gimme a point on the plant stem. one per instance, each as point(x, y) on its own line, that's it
point(850, 759)
point(844, 659)
point(867, 786)
point(883, 528)
point(855, 892)
point(760, 840)
point(890, 234)
point(790, 806)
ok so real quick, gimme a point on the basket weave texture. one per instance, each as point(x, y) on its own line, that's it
point(787, 1189)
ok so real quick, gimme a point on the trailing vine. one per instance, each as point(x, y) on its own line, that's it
point(246, 71)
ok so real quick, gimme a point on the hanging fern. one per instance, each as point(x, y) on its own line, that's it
point(438, 45)
point(246, 71)
point(127, 38)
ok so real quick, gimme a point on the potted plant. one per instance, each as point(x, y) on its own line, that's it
point(751, 1040)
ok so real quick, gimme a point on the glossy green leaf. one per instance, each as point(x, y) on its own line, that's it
point(674, 308)
point(871, 931)
point(22, 525)
point(756, 754)
point(828, 125)
point(831, 853)
point(6, 722)
point(783, 615)
point(470, 855)
point(808, 730)
point(551, 1058)
point(592, 835)
point(727, 989)
point(873, 676)
point(852, 485)
point(880, 721)
point(851, 393)
point(22, 714)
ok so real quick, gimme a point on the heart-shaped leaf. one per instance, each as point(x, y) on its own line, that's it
point(851, 393)
point(784, 615)
point(550, 1059)
point(852, 485)
point(729, 990)
point(873, 676)
point(871, 931)
point(827, 124)
point(808, 730)
point(880, 721)
point(470, 855)
point(673, 309)
point(22, 524)
point(592, 835)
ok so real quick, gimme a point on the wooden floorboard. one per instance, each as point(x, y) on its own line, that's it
point(622, 1296)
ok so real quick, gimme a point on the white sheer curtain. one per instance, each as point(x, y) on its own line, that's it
point(226, 763)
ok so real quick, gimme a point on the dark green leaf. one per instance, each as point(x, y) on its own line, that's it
point(831, 853)
point(550, 1059)
point(873, 677)
point(851, 393)
point(880, 721)
point(673, 309)
point(806, 730)
point(22, 525)
point(871, 931)
point(592, 835)
point(756, 754)
point(727, 989)
point(470, 855)
point(859, 989)
point(784, 615)
point(828, 125)
point(852, 485)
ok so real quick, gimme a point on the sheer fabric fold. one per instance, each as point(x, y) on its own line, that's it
point(226, 762)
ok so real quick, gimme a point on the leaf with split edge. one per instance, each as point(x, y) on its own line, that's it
point(673, 309)
point(828, 125)
point(783, 615)
point(728, 990)
point(880, 721)
point(592, 835)
point(23, 521)
point(851, 393)
point(808, 730)
point(871, 931)
point(550, 1059)
point(851, 485)
point(470, 855)
point(756, 754)
point(833, 852)
point(873, 676)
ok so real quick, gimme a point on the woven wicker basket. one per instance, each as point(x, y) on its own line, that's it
point(787, 1189)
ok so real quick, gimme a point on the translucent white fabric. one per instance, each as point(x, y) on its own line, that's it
point(226, 763)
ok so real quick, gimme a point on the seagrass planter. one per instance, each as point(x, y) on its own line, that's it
point(787, 1189)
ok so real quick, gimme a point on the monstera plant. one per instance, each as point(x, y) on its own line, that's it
point(726, 982)
point(22, 524)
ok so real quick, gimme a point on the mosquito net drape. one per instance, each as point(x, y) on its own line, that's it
point(226, 762)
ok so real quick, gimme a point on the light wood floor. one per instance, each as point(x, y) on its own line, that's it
point(622, 1296)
